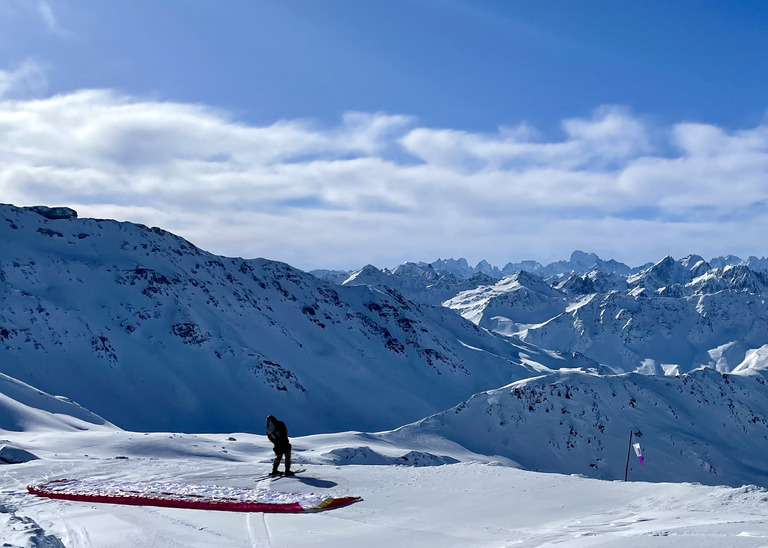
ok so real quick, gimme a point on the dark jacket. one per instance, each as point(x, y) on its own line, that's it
point(277, 432)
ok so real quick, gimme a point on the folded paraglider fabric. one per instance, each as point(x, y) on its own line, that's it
point(180, 495)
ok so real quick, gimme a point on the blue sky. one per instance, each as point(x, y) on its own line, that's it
point(339, 133)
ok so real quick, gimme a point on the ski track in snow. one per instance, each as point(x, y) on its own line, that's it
point(258, 531)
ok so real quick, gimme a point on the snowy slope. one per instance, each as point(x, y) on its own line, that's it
point(23, 408)
point(703, 426)
point(152, 333)
point(511, 304)
point(669, 320)
point(466, 504)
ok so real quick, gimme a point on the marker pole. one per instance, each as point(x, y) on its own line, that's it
point(629, 450)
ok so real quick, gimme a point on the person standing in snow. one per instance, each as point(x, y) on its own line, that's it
point(277, 433)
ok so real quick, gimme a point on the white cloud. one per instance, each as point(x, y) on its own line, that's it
point(28, 79)
point(380, 188)
point(611, 135)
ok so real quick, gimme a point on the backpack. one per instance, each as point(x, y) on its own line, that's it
point(275, 430)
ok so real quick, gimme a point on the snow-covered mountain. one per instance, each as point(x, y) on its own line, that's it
point(672, 316)
point(441, 280)
point(755, 263)
point(460, 269)
point(418, 282)
point(511, 304)
point(579, 263)
point(702, 426)
point(152, 333)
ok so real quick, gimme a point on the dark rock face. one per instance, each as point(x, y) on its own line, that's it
point(54, 213)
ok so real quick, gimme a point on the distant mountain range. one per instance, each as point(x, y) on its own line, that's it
point(579, 263)
point(669, 317)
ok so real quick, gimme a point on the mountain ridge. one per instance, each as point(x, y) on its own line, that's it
point(152, 333)
point(673, 315)
point(579, 262)
point(579, 423)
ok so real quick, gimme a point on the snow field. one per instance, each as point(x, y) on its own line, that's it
point(466, 504)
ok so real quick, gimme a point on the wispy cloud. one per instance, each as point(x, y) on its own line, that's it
point(51, 23)
point(26, 80)
point(381, 188)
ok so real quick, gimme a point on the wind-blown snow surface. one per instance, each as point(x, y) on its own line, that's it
point(152, 333)
point(466, 504)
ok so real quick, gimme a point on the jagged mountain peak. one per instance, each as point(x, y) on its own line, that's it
point(458, 267)
point(530, 281)
point(692, 261)
point(757, 264)
point(663, 273)
point(594, 281)
point(366, 274)
point(631, 319)
point(460, 262)
point(666, 262)
point(743, 278)
point(628, 322)
point(482, 278)
point(583, 259)
point(529, 266)
point(726, 260)
point(486, 268)
point(416, 269)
